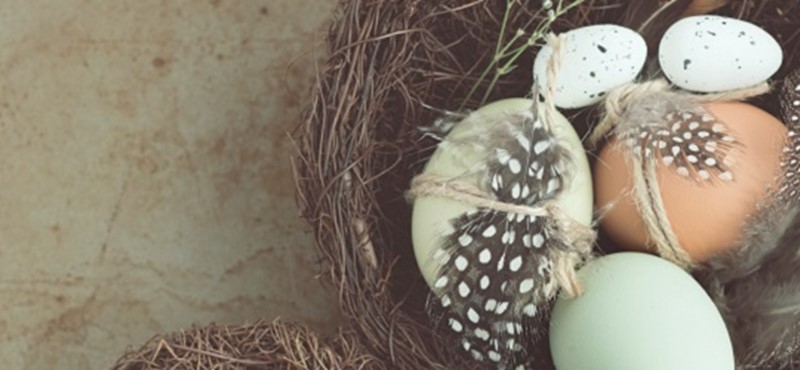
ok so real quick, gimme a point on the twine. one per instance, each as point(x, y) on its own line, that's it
point(618, 100)
point(646, 189)
point(429, 185)
point(579, 237)
point(573, 233)
point(553, 66)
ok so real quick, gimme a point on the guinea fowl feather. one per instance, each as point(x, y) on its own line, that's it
point(680, 134)
point(495, 283)
point(757, 287)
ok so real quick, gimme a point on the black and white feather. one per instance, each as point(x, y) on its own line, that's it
point(680, 134)
point(495, 281)
point(790, 104)
point(757, 286)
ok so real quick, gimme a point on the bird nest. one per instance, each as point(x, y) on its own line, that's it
point(394, 67)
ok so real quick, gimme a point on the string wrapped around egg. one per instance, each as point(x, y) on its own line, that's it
point(682, 172)
point(502, 219)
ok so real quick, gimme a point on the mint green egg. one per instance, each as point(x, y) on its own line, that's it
point(432, 216)
point(638, 312)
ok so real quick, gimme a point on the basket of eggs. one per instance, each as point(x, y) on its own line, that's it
point(540, 184)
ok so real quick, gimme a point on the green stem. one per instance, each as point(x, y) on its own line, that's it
point(503, 51)
point(495, 58)
point(505, 69)
point(510, 43)
point(500, 37)
point(476, 85)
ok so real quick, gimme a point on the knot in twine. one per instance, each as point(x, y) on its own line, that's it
point(580, 238)
point(646, 190)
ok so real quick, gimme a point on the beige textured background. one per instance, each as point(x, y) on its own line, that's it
point(145, 176)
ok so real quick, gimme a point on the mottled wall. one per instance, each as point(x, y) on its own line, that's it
point(145, 181)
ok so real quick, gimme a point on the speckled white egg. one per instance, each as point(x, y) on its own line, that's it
point(596, 59)
point(712, 53)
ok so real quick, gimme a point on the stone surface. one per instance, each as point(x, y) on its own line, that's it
point(145, 172)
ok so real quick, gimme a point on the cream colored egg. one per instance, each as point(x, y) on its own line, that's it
point(431, 219)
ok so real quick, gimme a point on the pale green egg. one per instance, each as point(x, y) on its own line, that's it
point(432, 215)
point(639, 312)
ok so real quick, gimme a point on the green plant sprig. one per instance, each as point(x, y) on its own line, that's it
point(505, 58)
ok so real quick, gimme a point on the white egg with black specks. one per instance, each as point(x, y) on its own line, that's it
point(713, 53)
point(595, 60)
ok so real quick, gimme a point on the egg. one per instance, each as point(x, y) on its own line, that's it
point(638, 312)
point(431, 218)
point(595, 60)
point(707, 217)
point(714, 53)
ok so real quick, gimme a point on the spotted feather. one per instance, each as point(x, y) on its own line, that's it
point(529, 168)
point(680, 135)
point(757, 288)
point(495, 279)
point(790, 163)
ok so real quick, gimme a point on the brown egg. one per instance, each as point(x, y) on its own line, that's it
point(707, 217)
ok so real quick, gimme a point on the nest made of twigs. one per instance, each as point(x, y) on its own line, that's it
point(254, 346)
point(389, 62)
